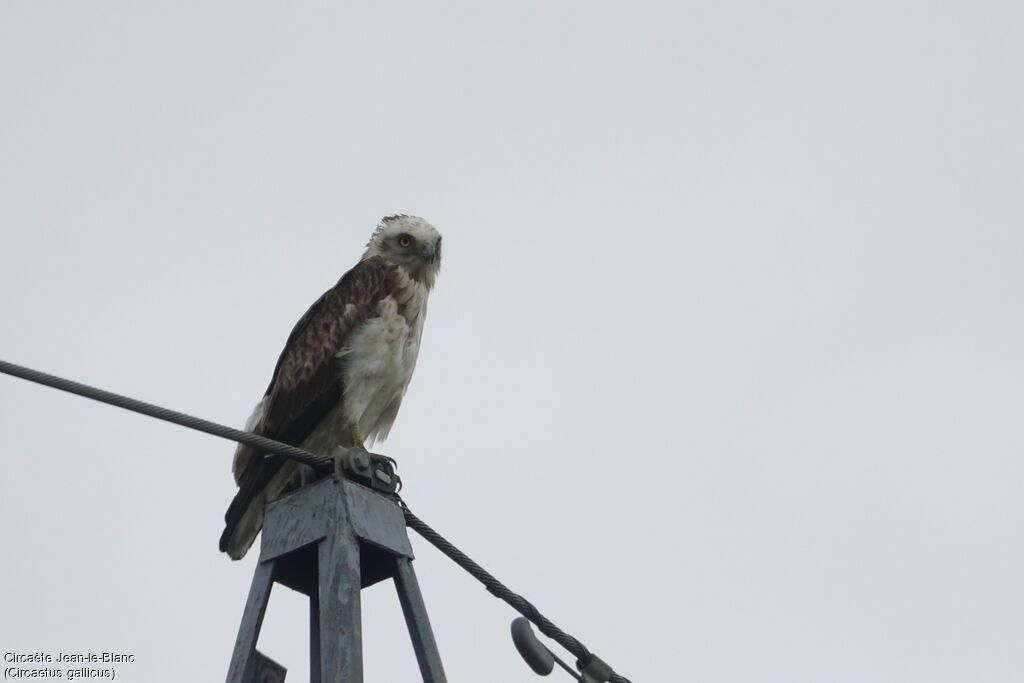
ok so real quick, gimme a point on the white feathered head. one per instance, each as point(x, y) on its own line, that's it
point(410, 243)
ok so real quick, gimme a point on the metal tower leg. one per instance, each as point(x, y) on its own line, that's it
point(329, 540)
point(252, 621)
point(340, 629)
point(416, 619)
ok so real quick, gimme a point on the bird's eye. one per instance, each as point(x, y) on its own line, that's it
point(404, 241)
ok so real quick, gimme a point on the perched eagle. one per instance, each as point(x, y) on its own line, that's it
point(343, 371)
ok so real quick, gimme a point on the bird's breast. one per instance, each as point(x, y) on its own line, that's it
point(380, 359)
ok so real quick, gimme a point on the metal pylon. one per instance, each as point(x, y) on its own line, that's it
point(330, 540)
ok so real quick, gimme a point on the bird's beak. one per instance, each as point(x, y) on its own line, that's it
point(429, 253)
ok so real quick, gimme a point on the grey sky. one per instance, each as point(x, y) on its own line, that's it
point(723, 370)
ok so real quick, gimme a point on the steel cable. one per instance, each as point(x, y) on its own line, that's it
point(500, 590)
point(199, 424)
point(495, 587)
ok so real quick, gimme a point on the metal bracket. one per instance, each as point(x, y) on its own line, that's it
point(263, 669)
point(370, 469)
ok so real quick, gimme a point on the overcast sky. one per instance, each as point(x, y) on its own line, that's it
point(723, 369)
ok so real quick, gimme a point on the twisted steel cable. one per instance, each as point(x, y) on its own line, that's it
point(199, 424)
point(500, 590)
point(495, 587)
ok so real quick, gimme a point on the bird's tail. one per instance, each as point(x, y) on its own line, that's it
point(244, 517)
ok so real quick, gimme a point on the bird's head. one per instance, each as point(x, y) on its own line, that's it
point(410, 243)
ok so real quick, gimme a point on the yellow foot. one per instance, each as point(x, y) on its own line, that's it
point(357, 438)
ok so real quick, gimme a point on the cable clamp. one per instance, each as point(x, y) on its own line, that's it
point(595, 670)
point(368, 469)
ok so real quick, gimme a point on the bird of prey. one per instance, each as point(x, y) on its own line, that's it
point(343, 371)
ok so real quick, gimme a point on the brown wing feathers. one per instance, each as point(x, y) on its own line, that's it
point(306, 382)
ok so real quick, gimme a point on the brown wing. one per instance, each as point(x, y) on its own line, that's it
point(307, 381)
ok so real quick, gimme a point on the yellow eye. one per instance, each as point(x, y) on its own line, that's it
point(404, 241)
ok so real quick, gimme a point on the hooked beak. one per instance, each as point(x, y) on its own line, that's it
point(429, 253)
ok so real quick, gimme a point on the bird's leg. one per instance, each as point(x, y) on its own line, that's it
point(357, 438)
